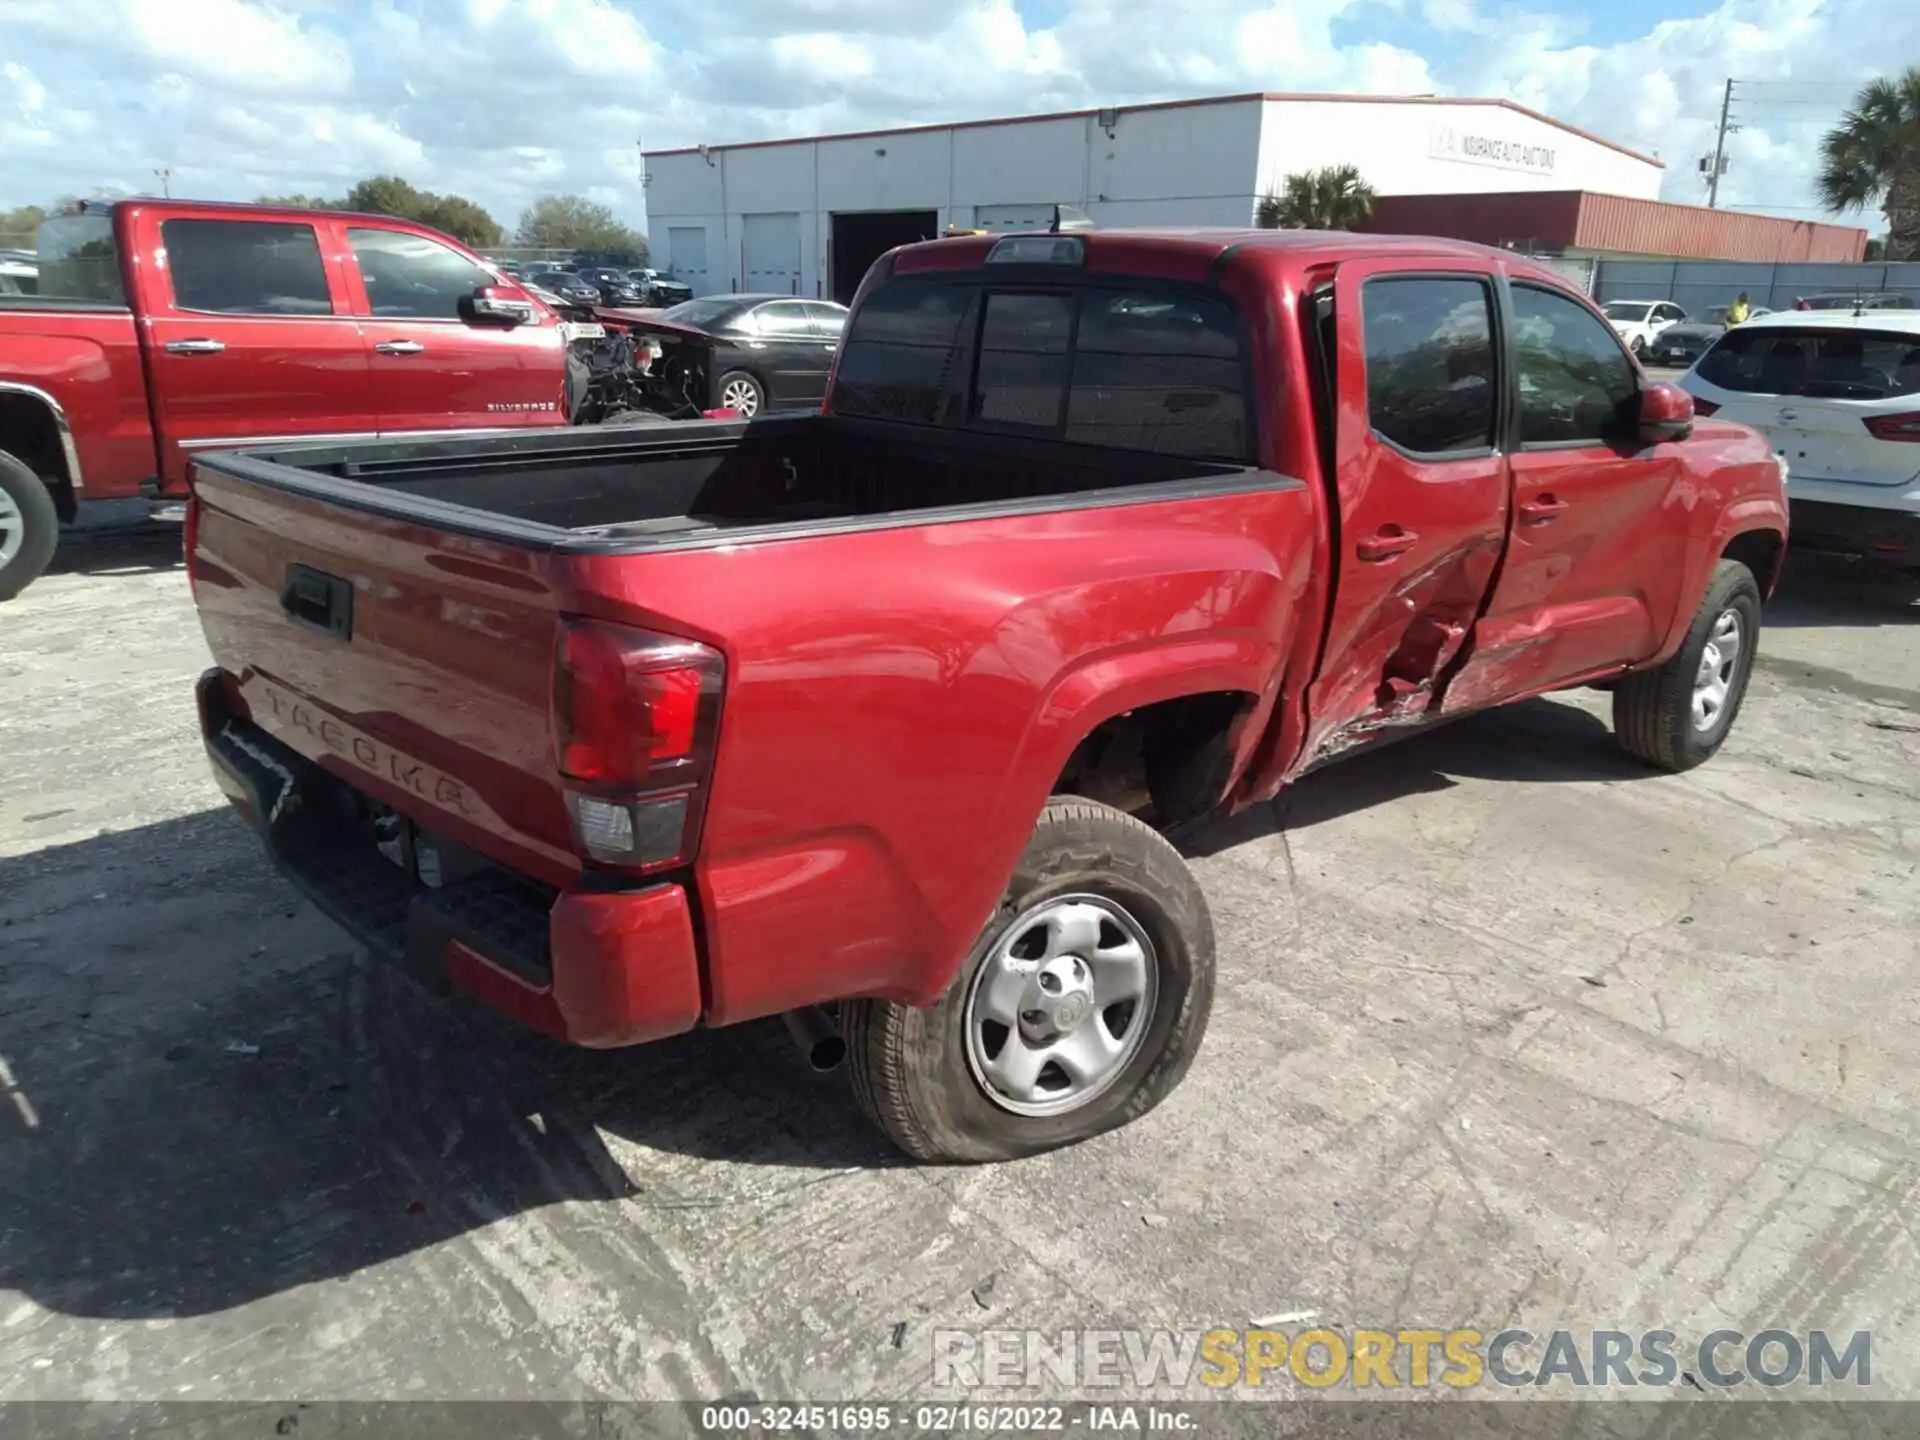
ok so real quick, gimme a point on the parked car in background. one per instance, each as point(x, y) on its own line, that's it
point(1682, 344)
point(1837, 394)
point(19, 272)
point(166, 328)
point(661, 287)
point(883, 708)
point(615, 287)
point(575, 289)
point(1856, 300)
point(760, 352)
point(1638, 322)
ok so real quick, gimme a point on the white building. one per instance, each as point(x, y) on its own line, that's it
point(806, 217)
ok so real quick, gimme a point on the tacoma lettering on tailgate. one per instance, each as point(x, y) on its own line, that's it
point(291, 717)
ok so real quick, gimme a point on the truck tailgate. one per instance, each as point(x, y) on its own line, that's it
point(412, 663)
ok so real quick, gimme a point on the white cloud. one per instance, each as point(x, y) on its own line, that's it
point(506, 99)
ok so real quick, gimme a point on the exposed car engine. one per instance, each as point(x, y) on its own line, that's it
point(620, 374)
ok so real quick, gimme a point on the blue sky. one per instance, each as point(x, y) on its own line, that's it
point(505, 100)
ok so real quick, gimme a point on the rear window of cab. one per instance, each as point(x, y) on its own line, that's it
point(1129, 367)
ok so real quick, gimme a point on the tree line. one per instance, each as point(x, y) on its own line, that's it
point(553, 222)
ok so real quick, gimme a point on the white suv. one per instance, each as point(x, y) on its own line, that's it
point(1839, 396)
point(1638, 321)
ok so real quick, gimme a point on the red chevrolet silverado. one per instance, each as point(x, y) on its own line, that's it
point(873, 718)
point(162, 328)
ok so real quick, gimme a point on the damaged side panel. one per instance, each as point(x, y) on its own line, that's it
point(1422, 493)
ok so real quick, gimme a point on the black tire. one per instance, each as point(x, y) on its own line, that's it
point(1639, 347)
point(636, 417)
point(910, 1067)
point(30, 522)
point(741, 377)
point(1653, 709)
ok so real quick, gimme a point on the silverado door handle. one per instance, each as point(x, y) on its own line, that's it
point(195, 347)
point(1386, 543)
point(399, 347)
point(1541, 510)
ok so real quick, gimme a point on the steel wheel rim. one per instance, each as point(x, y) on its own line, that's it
point(1713, 681)
point(1061, 1005)
point(740, 395)
point(13, 528)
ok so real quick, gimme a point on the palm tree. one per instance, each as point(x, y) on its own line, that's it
point(1333, 198)
point(1874, 154)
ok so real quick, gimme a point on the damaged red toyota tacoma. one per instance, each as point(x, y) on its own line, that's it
point(876, 719)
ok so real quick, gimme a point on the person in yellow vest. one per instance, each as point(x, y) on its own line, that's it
point(1739, 310)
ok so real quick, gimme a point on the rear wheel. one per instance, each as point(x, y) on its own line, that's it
point(1079, 1009)
point(1677, 716)
point(29, 527)
point(740, 392)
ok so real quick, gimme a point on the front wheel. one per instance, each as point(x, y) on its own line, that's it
point(1639, 347)
point(1677, 716)
point(1079, 1009)
point(740, 392)
point(29, 527)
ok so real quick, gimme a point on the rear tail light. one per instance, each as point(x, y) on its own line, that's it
point(1703, 407)
point(635, 719)
point(1895, 427)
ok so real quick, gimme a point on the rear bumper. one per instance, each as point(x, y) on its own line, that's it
point(1862, 531)
point(593, 968)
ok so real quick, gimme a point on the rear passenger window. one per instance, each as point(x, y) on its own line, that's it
point(1024, 341)
point(246, 267)
point(1430, 377)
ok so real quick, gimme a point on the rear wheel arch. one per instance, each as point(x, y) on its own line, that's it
point(1170, 760)
point(33, 430)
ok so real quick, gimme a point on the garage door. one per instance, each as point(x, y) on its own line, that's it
point(770, 253)
point(687, 256)
point(1012, 217)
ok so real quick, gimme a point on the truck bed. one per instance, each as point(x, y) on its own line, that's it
point(642, 487)
point(917, 628)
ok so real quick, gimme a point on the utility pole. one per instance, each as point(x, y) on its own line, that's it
point(1719, 149)
point(166, 177)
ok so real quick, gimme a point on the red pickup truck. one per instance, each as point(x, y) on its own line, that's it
point(871, 718)
point(162, 328)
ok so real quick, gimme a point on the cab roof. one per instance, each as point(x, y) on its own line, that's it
point(1173, 252)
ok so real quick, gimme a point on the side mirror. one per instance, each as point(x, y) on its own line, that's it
point(497, 305)
point(1666, 413)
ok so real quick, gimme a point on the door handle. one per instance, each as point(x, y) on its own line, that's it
point(195, 347)
point(1386, 543)
point(1541, 510)
point(399, 347)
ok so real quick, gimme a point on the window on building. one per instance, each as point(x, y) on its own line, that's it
point(1430, 371)
point(1576, 384)
point(412, 277)
point(246, 267)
